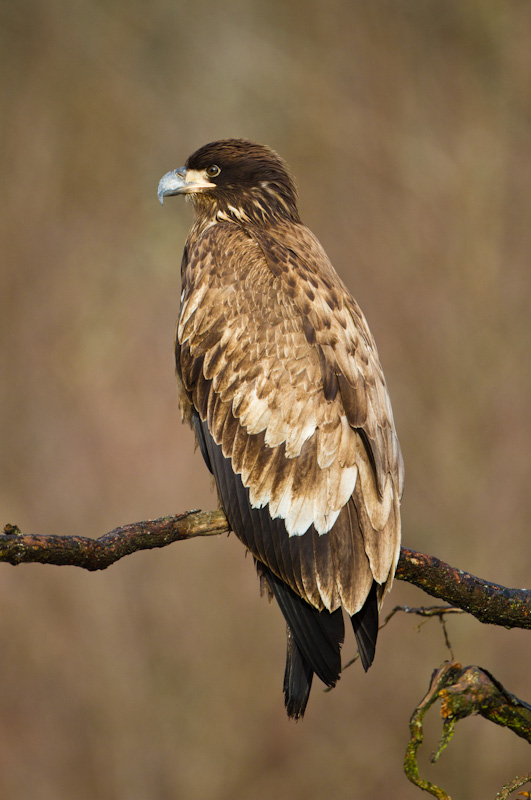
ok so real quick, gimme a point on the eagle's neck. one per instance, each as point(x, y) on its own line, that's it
point(261, 205)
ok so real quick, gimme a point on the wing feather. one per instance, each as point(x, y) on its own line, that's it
point(279, 363)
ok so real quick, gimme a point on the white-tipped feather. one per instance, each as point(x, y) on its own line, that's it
point(272, 378)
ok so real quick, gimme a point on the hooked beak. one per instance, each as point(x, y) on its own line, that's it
point(183, 181)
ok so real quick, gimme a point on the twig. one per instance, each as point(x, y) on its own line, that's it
point(512, 786)
point(439, 679)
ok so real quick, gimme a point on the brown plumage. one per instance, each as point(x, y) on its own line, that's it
point(281, 380)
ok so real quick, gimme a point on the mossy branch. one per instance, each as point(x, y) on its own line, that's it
point(463, 692)
point(488, 602)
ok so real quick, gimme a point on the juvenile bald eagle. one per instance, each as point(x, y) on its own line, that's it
point(281, 381)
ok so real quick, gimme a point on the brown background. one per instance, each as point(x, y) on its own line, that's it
point(408, 127)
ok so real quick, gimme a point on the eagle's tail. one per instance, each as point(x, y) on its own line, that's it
point(314, 643)
point(314, 640)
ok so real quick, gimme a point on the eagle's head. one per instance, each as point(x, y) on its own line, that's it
point(235, 179)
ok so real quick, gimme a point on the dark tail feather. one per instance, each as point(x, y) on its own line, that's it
point(314, 643)
point(297, 679)
point(318, 634)
point(365, 624)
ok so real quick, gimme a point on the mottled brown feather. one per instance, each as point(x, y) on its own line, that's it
point(286, 374)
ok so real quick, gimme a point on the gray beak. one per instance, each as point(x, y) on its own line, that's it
point(183, 181)
point(173, 182)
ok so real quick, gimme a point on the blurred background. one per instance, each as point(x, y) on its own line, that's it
point(408, 126)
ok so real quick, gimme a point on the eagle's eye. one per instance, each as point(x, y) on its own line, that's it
point(213, 171)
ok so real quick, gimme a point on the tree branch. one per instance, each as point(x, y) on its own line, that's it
point(94, 554)
point(488, 602)
point(464, 691)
